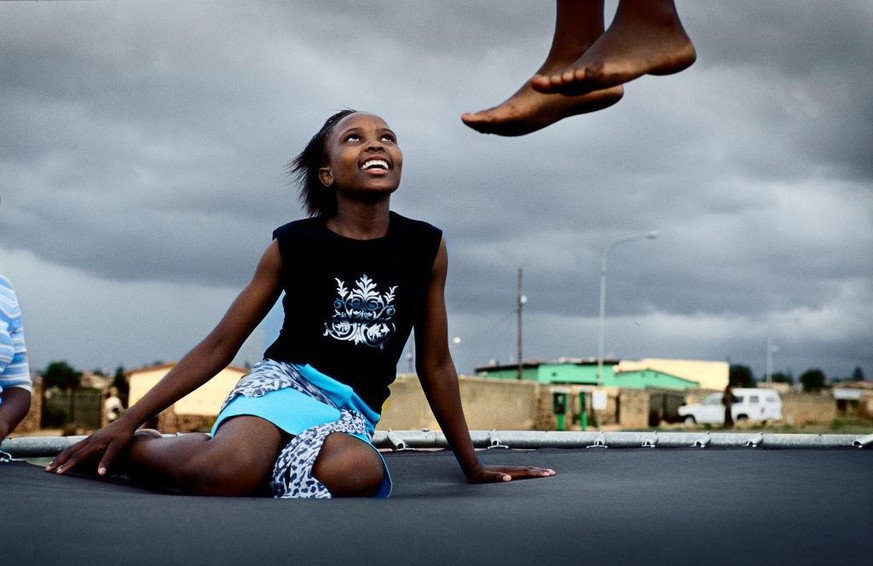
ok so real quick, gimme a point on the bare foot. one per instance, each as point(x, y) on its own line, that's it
point(645, 38)
point(527, 110)
point(577, 26)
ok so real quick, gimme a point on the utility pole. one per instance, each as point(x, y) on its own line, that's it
point(520, 307)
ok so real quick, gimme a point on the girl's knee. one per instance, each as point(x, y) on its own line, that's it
point(348, 467)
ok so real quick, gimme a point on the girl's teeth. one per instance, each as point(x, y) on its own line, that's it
point(375, 163)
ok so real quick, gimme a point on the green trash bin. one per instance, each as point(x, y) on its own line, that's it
point(559, 407)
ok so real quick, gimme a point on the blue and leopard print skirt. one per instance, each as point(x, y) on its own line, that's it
point(308, 405)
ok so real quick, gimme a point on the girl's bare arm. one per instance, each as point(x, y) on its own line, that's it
point(197, 367)
point(439, 379)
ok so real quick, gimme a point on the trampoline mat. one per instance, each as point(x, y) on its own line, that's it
point(631, 506)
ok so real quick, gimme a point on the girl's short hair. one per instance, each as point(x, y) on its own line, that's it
point(317, 199)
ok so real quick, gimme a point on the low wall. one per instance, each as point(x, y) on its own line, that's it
point(169, 422)
point(804, 408)
point(633, 409)
point(865, 409)
point(32, 422)
point(87, 408)
point(524, 405)
point(511, 406)
point(488, 404)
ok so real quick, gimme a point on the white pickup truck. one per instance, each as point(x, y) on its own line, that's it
point(752, 405)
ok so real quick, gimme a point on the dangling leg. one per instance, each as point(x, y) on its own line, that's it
point(646, 37)
point(578, 24)
point(238, 460)
point(348, 467)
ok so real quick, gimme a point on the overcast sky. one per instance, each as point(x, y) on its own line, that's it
point(142, 170)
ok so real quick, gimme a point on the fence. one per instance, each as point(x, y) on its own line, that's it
point(83, 411)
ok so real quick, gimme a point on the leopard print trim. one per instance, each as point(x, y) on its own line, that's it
point(292, 473)
point(269, 375)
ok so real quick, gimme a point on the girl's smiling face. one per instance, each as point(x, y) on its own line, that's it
point(362, 156)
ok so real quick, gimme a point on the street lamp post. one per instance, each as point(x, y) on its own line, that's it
point(647, 236)
point(522, 300)
point(771, 349)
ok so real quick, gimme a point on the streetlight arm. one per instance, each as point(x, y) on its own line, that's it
point(647, 236)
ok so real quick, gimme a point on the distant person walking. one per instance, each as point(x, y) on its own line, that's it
point(112, 406)
point(728, 399)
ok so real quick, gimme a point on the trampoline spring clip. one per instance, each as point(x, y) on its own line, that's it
point(494, 441)
point(599, 441)
point(652, 441)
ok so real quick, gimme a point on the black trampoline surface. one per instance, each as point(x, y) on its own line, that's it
point(612, 506)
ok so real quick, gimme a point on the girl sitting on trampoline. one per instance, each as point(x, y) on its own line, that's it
point(357, 279)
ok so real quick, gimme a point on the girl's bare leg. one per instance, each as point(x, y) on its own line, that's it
point(578, 25)
point(238, 460)
point(646, 37)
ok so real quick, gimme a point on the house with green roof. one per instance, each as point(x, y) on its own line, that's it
point(584, 372)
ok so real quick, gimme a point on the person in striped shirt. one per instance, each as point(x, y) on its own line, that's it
point(15, 383)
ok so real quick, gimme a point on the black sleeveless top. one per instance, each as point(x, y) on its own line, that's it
point(350, 305)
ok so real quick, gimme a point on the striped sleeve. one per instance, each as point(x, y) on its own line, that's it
point(14, 370)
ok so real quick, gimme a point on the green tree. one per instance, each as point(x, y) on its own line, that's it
point(61, 375)
point(782, 377)
point(741, 376)
point(813, 380)
point(857, 374)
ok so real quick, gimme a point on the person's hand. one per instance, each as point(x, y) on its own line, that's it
point(490, 474)
point(104, 444)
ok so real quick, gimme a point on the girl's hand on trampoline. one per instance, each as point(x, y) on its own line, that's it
point(491, 474)
point(103, 444)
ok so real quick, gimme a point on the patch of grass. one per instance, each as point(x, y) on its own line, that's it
point(850, 426)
